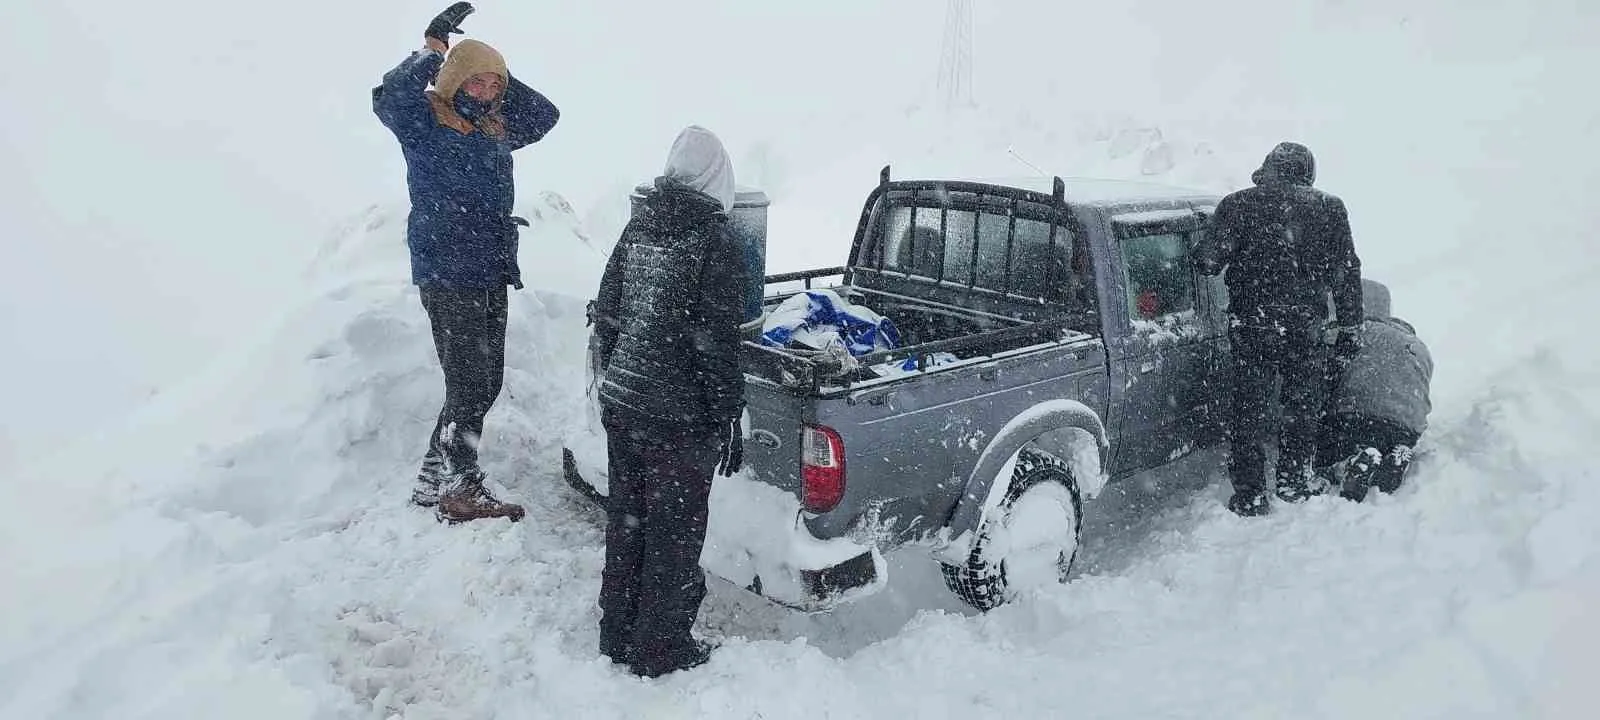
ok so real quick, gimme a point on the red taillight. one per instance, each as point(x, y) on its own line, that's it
point(821, 468)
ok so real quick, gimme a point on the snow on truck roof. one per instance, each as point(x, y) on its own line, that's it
point(1097, 191)
point(1151, 217)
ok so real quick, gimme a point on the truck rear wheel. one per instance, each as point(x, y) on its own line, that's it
point(1029, 541)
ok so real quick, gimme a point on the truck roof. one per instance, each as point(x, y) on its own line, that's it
point(1101, 192)
point(1098, 193)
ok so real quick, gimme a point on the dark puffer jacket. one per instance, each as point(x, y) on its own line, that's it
point(1388, 378)
point(668, 314)
point(1284, 245)
point(460, 230)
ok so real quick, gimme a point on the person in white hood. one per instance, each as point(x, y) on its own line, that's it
point(698, 161)
point(667, 321)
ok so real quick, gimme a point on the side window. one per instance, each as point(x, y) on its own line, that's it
point(1160, 276)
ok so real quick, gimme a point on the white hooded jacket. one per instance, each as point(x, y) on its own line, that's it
point(698, 160)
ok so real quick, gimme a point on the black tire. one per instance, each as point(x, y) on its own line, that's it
point(986, 580)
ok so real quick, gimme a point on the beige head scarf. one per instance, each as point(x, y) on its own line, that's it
point(467, 58)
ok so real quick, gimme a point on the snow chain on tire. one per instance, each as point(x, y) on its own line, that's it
point(981, 582)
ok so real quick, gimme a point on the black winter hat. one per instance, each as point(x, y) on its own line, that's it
point(1289, 162)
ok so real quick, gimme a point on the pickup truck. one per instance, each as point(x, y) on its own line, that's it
point(1055, 336)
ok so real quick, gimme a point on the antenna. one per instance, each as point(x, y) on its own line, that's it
point(1013, 153)
point(955, 57)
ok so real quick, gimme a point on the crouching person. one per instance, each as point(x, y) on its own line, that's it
point(1379, 405)
point(667, 322)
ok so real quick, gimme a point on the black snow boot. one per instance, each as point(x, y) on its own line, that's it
point(1248, 504)
point(697, 653)
point(618, 653)
point(1359, 473)
point(1297, 484)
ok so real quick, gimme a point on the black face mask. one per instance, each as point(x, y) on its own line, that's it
point(470, 107)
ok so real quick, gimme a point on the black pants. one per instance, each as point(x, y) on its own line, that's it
point(652, 585)
point(1379, 451)
point(1293, 354)
point(469, 333)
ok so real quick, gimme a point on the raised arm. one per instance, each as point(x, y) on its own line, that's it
point(401, 102)
point(528, 113)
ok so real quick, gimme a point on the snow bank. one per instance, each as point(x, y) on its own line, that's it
point(279, 573)
point(242, 547)
point(203, 536)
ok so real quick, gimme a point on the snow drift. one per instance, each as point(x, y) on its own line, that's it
point(277, 571)
point(241, 546)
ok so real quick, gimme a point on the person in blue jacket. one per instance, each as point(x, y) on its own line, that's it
point(457, 139)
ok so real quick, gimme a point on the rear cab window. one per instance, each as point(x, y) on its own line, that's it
point(1020, 249)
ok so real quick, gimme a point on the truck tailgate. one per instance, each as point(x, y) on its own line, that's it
point(772, 446)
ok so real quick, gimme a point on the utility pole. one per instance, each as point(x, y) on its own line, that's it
point(955, 61)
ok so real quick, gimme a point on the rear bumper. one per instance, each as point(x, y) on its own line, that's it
point(757, 539)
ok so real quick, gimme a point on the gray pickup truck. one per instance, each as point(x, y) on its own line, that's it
point(1055, 335)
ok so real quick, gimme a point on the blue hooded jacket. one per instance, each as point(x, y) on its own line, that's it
point(460, 231)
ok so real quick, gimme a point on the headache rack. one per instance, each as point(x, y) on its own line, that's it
point(999, 297)
point(870, 252)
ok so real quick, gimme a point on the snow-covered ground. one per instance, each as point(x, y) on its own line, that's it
point(276, 571)
point(240, 546)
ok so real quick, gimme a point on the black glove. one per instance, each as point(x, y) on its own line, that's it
point(732, 450)
point(448, 22)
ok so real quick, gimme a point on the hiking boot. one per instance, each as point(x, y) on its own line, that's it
point(696, 654)
point(1248, 504)
point(426, 492)
point(1299, 485)
point(465, 499)
point(1295, 491)
point(1359, 473)
point(1389, 476)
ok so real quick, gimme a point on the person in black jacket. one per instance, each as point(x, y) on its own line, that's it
point(1283, 247)
point(667, 320)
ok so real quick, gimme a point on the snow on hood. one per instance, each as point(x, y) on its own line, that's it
point(698, 160)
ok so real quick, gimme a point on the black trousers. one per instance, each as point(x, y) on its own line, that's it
point(1386, 445)
point(1292, 355)
point(652, 585)
point(469, 333)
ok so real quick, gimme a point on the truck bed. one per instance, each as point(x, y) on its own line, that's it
point(926, 328)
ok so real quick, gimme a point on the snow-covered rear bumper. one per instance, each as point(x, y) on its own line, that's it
point(755, 537)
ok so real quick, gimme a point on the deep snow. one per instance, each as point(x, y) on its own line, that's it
point(278, 572)
point(239, 546)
